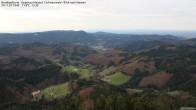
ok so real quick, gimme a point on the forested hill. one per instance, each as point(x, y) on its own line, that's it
point(46, 37)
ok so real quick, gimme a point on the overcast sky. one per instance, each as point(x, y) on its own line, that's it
point(102, 14)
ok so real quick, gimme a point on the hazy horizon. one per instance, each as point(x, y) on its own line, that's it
point(179, 33)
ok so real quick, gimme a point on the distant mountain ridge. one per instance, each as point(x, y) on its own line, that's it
point(182, 33)
point(46, 37)
point(78, 37)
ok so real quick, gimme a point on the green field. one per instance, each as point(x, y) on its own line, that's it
point(61, 90)
point(117, 78)
point(173, 93)
point(52, 58)
point(70, 69)
point(57, 91)
point(59, 64)
point(107, 70)
point(137, 90)
point(84, 73)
